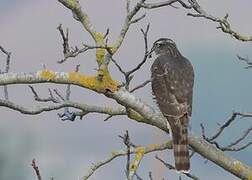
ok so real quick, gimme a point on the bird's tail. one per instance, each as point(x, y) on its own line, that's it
point(181, 149)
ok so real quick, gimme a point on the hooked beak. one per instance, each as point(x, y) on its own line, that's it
point(149, 54)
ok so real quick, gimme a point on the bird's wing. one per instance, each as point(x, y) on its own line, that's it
point(172, 86)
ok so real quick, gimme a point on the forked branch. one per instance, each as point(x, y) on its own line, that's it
point(225, 125)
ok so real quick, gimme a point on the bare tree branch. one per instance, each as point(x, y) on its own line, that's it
point(148, 116)
point(170, 167)
point(138, 177)
point(83, 107)
point(229, 147)
point(80, 15)
point(115, 154)
point(126, 141)
point(7, 68)
point(140, 86)
point(8, 54)
point(150, 175)
point(36, 169)
point(146, 53)
point(51, 98)
point(225, 125)
point(243, 136)
point(137, 19)
point(236, 148)
point(127, 23)
point(246, 60)
point(72, 52)
point(128, 74)
point(163, 4)
point(224, 24)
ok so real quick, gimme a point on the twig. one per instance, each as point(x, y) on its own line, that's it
point(225, 125)
point(246, 60)
point(127, 6)
point(203, 132)
point(150, 175)
point(236, 148)
point(127, 22)
point(8, 54)
point(133, 21)
point(166, 3)
point(192, 154)
point(140, 86)
point(108, 117)
point(170, 167)
point(7, 68)
point(221, 129)
point(83, 107)
point(56, 91)
point(224, 24)
point(118, 67)
point(36, 169)
point(67, 115)
point(128, 74)
point(80, 15)
point(51, 98)
point(145, 34)
point(126, 141)
point(240, 138)
point(70, 52)
point(66, 48)
point(138, 177)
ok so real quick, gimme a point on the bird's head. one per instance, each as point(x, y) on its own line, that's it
point(162, 46)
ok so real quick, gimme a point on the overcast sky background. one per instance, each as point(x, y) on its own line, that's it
point(65, 150)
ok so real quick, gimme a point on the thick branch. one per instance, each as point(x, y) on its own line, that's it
point(99, 83)
point(79, 15)
point(83, 107)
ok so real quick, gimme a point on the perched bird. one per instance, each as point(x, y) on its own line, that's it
point(172, 87)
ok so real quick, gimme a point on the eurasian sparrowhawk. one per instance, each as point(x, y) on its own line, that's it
point(172, 86)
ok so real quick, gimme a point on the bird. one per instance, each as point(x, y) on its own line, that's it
point(172, 79)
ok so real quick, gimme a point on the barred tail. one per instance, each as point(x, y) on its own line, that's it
point(181, 149)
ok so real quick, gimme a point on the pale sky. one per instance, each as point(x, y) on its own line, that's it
point(66, 149)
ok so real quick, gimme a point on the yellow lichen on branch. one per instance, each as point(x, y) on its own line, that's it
point(100, 52)
point(134, 115)
point(250, 175)
point(47, 75)
point(138, 157)
point(102, 82)
point(238, 167)
point(72, 3)
point(153, 146)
